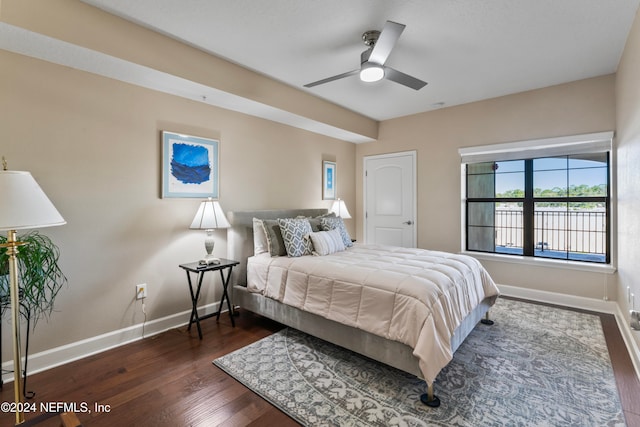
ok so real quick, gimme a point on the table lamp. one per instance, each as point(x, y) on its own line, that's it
point(23, 206)
point(209, 217)
point(340, 209)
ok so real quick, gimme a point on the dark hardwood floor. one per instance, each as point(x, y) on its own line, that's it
point(169, 380)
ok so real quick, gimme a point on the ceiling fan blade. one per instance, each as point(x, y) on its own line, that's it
point(330, 79)
point(386, 41)
point(403, 79)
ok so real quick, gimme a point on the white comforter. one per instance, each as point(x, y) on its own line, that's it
point(414, 296)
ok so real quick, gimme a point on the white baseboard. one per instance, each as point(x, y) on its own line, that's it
point(583, 303)
point(48, 359)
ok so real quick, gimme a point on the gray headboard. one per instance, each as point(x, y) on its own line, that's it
point(240, 235)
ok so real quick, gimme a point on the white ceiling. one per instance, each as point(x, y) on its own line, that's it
point(467, 50)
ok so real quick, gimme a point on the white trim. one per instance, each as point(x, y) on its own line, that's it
point(583, 303)
point(546, 147)
point(543, 262)
point(58, 356)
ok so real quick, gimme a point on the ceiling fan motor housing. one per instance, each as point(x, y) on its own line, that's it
point(370, 37)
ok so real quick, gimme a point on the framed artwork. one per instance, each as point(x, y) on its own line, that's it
point(189, 166)
point(328, 180)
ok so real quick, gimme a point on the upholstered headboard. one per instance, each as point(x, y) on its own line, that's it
point(240, 234)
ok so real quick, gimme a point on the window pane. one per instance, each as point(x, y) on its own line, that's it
point(480, 168)
point(592, 160)
point(480, 220)
point(573, 232)
point(587, 232)
point(588, 175)
point(550, 163)
point(480, 180)
point(510, 179)
point(509, 228)
point(550, 183)
point(550, 230)
point(481, 214)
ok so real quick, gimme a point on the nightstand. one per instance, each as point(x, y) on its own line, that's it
point(193, 267)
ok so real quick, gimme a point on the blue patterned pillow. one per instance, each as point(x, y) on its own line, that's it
point(295, 233)
point(337, 223)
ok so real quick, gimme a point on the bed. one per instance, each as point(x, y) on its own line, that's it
point(408, 308)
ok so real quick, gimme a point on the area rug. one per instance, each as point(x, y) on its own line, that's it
point(536, 366)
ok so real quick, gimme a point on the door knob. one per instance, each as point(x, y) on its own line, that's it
point(408, 222)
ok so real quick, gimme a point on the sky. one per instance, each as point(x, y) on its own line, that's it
point(550, 173)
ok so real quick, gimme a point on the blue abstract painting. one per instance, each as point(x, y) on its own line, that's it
point(190, 163)
point(190, 166)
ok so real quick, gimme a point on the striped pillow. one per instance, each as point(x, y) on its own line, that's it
point(327, 242)
point(338, 224)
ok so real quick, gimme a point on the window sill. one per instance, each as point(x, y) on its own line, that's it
point(542, 262)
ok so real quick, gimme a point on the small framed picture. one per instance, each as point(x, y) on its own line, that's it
point(189, 166)
point(329, 180)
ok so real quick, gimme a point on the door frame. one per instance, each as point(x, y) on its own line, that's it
point(413, 154)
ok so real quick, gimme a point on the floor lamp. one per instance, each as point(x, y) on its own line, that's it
point(23, 205)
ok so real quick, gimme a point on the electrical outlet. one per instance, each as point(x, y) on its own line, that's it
point(141, 291)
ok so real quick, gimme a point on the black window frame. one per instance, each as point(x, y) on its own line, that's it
point(528, 210)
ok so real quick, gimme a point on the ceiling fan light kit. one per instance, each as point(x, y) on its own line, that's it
point(371, 72)
point(372, 60)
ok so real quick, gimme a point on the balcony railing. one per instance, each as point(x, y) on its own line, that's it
point(579, 235)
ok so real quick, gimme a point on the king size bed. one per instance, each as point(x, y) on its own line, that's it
point(405, 307)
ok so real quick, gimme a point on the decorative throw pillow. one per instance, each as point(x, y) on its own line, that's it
point(260, 244)
point(274, 237)
point(327, 242)
point(295, 233)
point(316, 221)
point(338, 224)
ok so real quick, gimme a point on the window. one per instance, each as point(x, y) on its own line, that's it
point(545, 198)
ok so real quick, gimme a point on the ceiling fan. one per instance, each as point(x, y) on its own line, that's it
point(372, 60)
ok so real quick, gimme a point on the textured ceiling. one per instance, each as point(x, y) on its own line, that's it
point(467, 50)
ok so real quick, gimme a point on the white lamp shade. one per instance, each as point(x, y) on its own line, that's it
point(340, 209)
point(23, 204)
point(209, 216)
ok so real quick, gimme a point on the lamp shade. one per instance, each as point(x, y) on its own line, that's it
point(209, 216)
point(23, 204)
point(340, 209)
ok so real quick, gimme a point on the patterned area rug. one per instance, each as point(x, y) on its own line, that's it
point(536, 366)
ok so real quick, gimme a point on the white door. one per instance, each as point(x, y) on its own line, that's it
point(390, 199)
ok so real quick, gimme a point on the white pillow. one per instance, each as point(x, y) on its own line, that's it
point(337, 224)
point(327, 242)
point(259, 238)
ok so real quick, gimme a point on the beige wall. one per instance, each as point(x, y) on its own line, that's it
point(93, 144)
point(628, 153)
point(80, 24)
point(573, 108)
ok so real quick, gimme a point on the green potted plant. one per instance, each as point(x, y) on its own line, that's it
point(40, 277)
